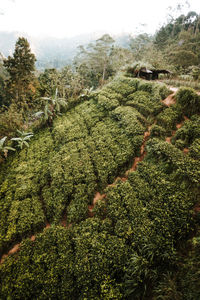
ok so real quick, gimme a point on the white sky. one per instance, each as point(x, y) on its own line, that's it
point(67, 18)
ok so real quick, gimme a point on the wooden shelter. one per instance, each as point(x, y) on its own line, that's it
point(152, 74)
point(146, 73)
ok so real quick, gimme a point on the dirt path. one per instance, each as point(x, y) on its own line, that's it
point(136, 160)
point(16, 247)
point(168, 101)
point(179, 125)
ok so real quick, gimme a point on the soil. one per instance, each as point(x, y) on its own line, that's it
point(136, 160)
point(168, 101)
point(64, 220)
point(185, 150)
point(12, 251)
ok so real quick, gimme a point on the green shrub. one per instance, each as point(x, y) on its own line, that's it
point(189, 131)
point(157, 131)
point(189, 101)
point(43, 268)
point(180, 144)
point(99, 254)
point(194, 149)
point(164, 91)
point(145, 86)
point(107, 104)
point(170, 117)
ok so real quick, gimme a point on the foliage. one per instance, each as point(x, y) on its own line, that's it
point(170, 117)
point(188, 132)
point(50, 254)
point(195, 149)
point(3, 148)
point(157, 131)
point(178, 41)
point(130, 247)
point(21, 85)
point(189, 101)
point(23, 138)
point(67, 82)
point(139, 45)
point(183, 58)
point(94, 62)
point(52, 107)
point(11, 119)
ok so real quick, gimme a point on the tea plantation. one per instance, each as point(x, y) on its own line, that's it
point(142, 239)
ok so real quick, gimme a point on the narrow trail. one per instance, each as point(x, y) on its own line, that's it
point(179, 125)
point(136, 160)
point(171, 99)
point(16, 247)
point(168, 101)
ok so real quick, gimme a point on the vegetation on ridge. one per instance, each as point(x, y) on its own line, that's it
point(101, 198)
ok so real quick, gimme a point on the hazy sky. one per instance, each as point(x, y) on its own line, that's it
point(67, 18)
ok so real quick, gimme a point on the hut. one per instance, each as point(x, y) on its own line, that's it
point(145, 71)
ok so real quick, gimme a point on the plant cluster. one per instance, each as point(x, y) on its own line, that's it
point(83, 151)
point(188, 133)
point(130, 245)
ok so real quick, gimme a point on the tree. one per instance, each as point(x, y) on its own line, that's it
point(139, 45)
point(67, 82)
point(94, 62)
point(3, 77)
point(48, 82)
point(183, 58)
point(21, 85)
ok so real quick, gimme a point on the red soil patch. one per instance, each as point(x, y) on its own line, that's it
point(135, 163)
point(64, 220)
point(12, 251)
point(197, 208)
point(168, 139)
point(169, 100)
point(185, 150)
point(98, 196)
point(179, 125)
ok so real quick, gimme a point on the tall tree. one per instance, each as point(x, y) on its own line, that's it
point(139, 45)
point(3, 77)
point(94, 62)
point(21, 85)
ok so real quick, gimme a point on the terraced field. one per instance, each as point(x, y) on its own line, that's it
point(98, 205)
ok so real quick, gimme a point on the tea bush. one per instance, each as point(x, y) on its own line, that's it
point(157, 131)
point(132, 242)
point(194, 149)
point(170, 117)
point(188, 132)
point(83, 151)
point(189, 100)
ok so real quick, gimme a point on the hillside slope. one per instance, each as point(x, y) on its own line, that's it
point(111, 192)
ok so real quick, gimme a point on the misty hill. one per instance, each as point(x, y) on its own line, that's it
point(53, 52)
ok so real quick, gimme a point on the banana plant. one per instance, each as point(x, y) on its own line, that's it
point(58, 102)
point(86, 92)
point(4, 149)
point(23, 138)
point(52, 107)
